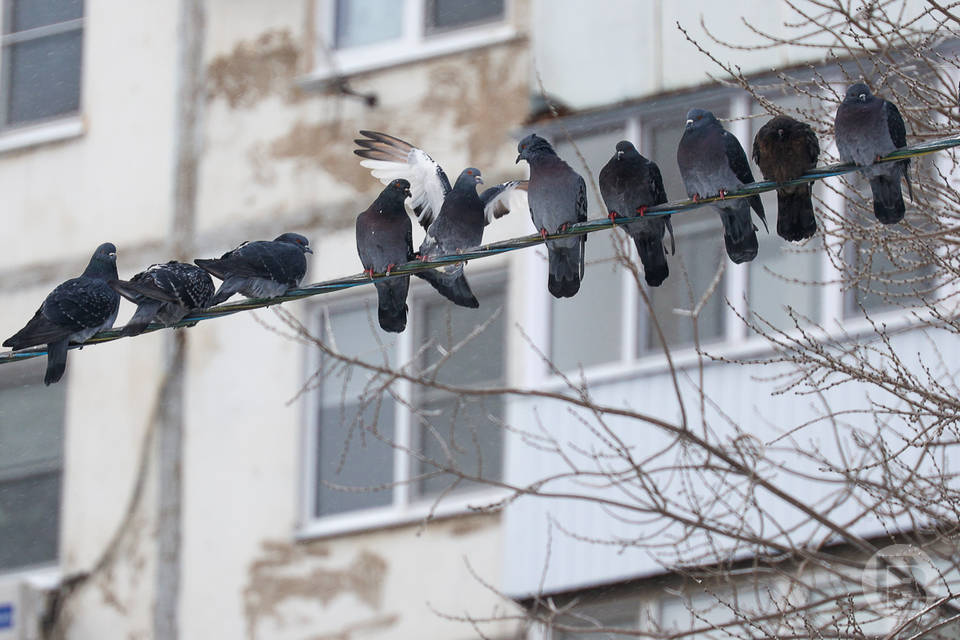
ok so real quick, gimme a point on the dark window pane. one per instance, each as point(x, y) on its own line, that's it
point(31, 428)
point(355, 451)
point(462, 434)
point(692, 270)
point(361, 22)
point(29, 14)
point(44, 77)
point(29, 520)
point(447, 14)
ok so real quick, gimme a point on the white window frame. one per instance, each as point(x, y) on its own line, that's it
point(405, 507)
point(59, 127)
point(414, 44)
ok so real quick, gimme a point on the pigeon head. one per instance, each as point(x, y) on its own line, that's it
point(858, 92)
point(532, 145)
point(468, 178)
point(699, 118)
point(626, 148)
point(401, 185)
point(103, 262)
point(297, 239)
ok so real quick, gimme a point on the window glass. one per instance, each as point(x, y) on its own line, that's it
point(354, 437)
point(597, 309)
point(362, 22)
point(450, 14)
point(458, 431)
point(784, 275)
point(31, 454)
point(30, 14)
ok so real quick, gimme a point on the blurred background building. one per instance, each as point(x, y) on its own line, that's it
point(180, 129)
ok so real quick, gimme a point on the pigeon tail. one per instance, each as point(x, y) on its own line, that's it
point(795, 219)
point(887, 199)
point(392, 304)
point(739, 234)
point(145, 314)
point(229, 287)
point(566, 268)
point(456, 289)
point(653, 257)
point(56, 361)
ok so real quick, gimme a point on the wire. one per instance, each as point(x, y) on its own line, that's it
point(496, 248)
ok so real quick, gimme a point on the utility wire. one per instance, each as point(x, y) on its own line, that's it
point(496, 248)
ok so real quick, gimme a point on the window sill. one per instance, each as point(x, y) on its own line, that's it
point(390, 517)
point(43, 133)
point(654, 363)
point(380, 57)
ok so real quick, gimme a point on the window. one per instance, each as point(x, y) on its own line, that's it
point(385, 449)
point(359, 35)
point(42, 42)
point(31, 463)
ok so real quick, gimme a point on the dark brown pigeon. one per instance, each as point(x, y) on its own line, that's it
point(866, 128)
point(786, 149)
point(164, 292)
point(260, 269)
point(557, 198)
point(629, 183)
point(385, 240)
point(712, 162)
point(73, 313)
point(454, 217)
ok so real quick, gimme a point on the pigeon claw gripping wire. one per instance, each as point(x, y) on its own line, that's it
point(696, 197)
point(564, 227)
point(368, 273)
point(642, 211)
point(543, 233)
point(613, 217)
point(390, 267)
point(722, 194)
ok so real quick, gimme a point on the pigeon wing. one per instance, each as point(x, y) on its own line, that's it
point(389, 158)
point(503, 198)
point(737, 159)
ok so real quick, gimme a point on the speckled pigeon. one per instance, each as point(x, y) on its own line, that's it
point(785, 149)
point(73, 312)
point(164, 292)
point(867, 127)
point(712, 162)
point(260, 269)
point(629, 183)
point(454, 217)
point(557, 198)
point(384, 240)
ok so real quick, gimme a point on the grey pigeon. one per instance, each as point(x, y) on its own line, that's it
point(712, 162)
point(557, 198)
point(629, 183)
point(786, 149)
point(73, 312)
point(866, 128)
point(164, 292)
point(454, 217)
point(384, 240)
point(260, 269)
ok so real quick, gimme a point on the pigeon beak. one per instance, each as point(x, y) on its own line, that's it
point(689, 122)
point(519, 158)
point(307, 250)
point(619, 154)
point(862, 97)
point(479, 180)
point(113, 256)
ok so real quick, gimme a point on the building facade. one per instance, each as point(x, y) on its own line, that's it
point(232, 479)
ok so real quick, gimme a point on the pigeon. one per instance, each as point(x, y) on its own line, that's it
point(866, 128)
point(786, 149)
point(73, 312)
point(712, 162)
point(260, 269)
point(454, 217)
point(384, 240)
point(557, 198)
point(629, 183)
point(164, 292)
